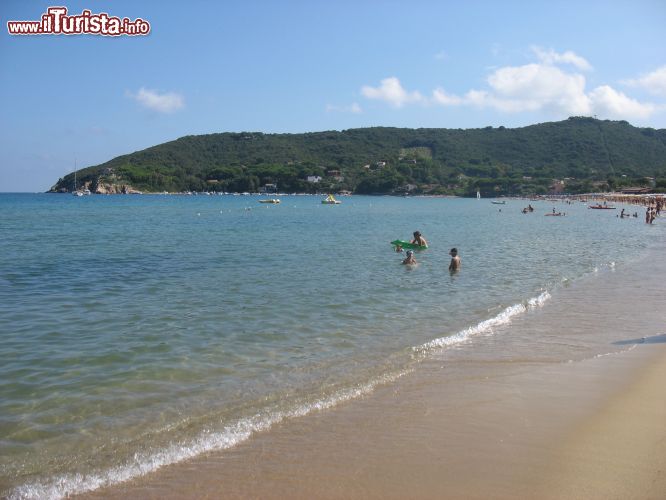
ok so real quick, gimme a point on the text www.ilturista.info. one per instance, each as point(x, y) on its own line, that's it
point(56, 22)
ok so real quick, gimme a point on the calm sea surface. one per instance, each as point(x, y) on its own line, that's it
point(139, 331)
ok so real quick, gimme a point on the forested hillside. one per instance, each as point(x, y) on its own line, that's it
point(576, 155)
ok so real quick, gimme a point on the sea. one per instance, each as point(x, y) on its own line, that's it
point(140, 331)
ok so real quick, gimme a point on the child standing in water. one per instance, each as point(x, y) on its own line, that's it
point(455, 260)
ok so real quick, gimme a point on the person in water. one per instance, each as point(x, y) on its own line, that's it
point(419, 240)
point(409, 260)
point(455, 260)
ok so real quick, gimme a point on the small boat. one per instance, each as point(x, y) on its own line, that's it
point(77, 191)
point(556, 214)
point(330, 200)
point(498, 202)
point(270, 200)
point(601, 207)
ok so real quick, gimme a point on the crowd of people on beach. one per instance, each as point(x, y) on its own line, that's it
point(653, 204)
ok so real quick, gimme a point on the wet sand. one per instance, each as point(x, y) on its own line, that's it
point(472, 423)
point(512, 440)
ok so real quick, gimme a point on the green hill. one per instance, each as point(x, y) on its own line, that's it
point(587, 154)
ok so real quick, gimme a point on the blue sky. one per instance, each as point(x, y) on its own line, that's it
point(299, 66)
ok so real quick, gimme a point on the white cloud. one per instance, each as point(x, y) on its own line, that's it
point(610, 103)
point(441, 55)
point(440, 96)
point(392, 92)
point(479, 98)
point(554, 85)
point(352, 108)
point(532, 87)
point(537, 86)
point(550, 57)
point(654, 82)
point(166, 102)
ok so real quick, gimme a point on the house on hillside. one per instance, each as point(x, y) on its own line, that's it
point(406, 189)
point(336, 174)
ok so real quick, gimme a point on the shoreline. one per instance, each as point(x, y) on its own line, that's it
point(612, 446)
point(632, 199)
point(465, 425)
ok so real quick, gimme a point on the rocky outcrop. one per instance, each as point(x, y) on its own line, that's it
point(115, 188)
point(107, 183)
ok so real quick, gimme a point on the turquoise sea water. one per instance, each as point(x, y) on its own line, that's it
point(139, 331)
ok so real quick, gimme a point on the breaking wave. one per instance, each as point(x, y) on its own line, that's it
point(207, 441)
point(486, 326)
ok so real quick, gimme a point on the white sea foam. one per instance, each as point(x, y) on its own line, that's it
point(144, 463)
point(615, 353)
point(486, 326)
point(604, 354)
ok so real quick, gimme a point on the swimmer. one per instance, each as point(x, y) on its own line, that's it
point(410, 260)
point(419, 240)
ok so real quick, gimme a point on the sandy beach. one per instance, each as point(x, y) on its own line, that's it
point(467, 425)
point(620, 450)
point(573, 442)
